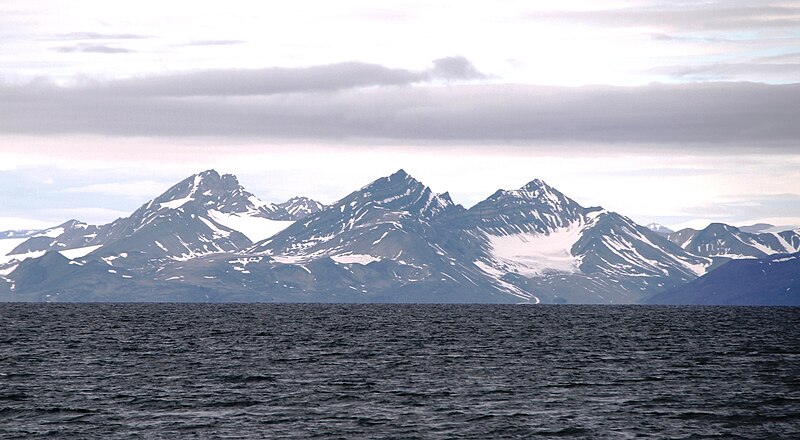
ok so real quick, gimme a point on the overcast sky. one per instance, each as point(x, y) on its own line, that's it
point(681, 113)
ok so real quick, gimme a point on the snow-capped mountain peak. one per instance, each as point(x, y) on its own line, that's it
point(203, 213)
point(387, 202)
point(659, 229)
point(400, 192)
point(209, 190)
point(537, 185)
point(536, 207)
point(545, 195)
point(300, 206)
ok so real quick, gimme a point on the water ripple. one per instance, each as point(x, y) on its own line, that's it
point(377, 371)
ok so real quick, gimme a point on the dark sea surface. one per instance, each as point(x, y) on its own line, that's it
point(398, 371)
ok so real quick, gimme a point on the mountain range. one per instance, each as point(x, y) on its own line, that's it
point(207, 239)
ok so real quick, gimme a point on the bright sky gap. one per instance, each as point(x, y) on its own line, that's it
point(679, 114)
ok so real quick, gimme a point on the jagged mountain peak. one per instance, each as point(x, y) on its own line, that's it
point(400, 192)
point(207, 191)
point(205, 185)
point(297, 199)
point(390, 203)
point(445, 196)
point(397, 179)
point(535, 191)
point(300, 206)
point(536, 207)
point(206, 178)
point(210, 173)
point(659, 229)
point(539, 190)
point(211, 176)
point(537, 184)
point(400, 174)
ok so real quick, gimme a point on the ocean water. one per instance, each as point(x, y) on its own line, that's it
point(398, 371)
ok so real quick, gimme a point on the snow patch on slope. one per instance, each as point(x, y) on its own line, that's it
point(177, 203)
point(784, 259)
point(254, 228)
point(362, 259)
point(7, 271)
point(8, 245)
point(52, 233)
point(6, 259)
point(79, 252)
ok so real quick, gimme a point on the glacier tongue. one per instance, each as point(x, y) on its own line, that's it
point(532, 254)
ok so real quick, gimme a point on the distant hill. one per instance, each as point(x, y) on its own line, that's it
point(773, 280)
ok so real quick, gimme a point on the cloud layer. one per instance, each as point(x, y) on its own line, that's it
point(367, 101)
point(93, 48)
point(688, 16)
point(276, 80)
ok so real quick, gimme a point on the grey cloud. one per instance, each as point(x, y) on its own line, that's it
point(701, 116)
point(455, 68)
point(214, 42)
point(92, 48)
point(325, 78)
point(656, 173)
point(727, 71)
point(744, 209)
point(672, 37)
point(98, 36)
point(701, 16)
point(786, 57)
point(265, 81)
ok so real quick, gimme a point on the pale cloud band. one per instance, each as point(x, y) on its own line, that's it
point(358, 101)
point(704, 16)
